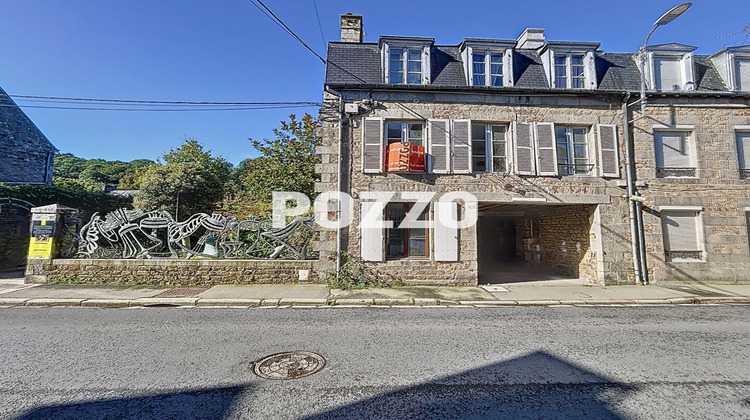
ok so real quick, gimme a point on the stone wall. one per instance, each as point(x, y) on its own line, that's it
point(565, 240)
point(166, 272)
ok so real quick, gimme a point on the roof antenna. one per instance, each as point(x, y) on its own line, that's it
point(746, 30)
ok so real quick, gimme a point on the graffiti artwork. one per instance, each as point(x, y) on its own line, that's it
point(136, 234)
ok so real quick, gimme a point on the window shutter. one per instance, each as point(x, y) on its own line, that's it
point(371, 238)
point(673, 150)
point(446, 237)
point(461, 146)
point(439, 146)
point(742, 71)
point(546, 149)
point(524, 149)
point(609, 158)
point(668, 74)
point(372, 146)
point(680, 231)
point(743, 147)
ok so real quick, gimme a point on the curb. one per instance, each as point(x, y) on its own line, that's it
point(358, 303)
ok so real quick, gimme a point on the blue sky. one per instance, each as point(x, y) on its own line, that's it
point(227, 51)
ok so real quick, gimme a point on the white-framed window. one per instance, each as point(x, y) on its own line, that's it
point(743, 151)
point(670, 67)
point(489, 147)
point(682, 231)
point(667, 74)
point(674, 154)
point(570, 71)
point(405, 65)
point(405, 132)
point(487, 68)
point(402, 241)
point(572, 150)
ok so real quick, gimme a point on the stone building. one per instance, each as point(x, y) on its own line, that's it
point(549, 136)
point(25, 153)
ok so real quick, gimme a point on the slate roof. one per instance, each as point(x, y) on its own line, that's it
point(353, 63)
point(17, 128)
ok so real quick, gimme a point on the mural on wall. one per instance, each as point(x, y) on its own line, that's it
point(137, 234)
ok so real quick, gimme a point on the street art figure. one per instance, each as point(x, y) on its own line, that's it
point(136, 234)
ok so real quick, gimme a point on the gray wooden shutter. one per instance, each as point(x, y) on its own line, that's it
point(371, 239)
point(609, 157)
point(680, 230)
point(446, 237)
point(523, 152)
point(461, 146)
point(439, 146)
point(372, 146)
point(546, 149)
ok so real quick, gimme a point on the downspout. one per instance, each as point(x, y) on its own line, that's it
point(338, 174)
point(632, 209)
point(641, 240)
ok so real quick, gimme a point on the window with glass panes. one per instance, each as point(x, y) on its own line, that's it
point(488, 147)
point(572, 151)
point(487, 69)
point(569, 71)
point(409, 241)
point(405, 132)
point(405, 66)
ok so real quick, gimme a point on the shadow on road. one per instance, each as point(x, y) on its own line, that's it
point(538, 385)
point(210, 403)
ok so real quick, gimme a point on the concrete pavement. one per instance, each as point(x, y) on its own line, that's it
point(13, 292)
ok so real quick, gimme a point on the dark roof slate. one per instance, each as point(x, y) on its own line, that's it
point(351, 63)
point(18, 129)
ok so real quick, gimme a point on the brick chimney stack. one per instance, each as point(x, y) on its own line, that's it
point(351, 28)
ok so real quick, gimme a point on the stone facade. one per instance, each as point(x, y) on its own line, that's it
point(167, 272)
point(583, 220)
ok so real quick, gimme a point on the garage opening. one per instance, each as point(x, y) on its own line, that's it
point(524, 243)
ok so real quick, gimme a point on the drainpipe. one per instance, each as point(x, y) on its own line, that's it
point(338, 173)
point(641, 240)
point(630, 174)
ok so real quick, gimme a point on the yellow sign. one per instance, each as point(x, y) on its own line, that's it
point(41, 239)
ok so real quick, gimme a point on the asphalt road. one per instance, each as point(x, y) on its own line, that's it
point(519, 362)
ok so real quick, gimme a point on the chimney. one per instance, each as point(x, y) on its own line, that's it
point(351, 28)
point(531, 39)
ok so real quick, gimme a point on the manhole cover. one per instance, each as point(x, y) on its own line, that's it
point(182, 292)
point(289, 365)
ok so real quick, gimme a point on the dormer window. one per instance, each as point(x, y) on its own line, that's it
point(569, 71)
point(487, 62)
point(406, 60)
point(733, 64)
point(669, 67)
point(570, 65)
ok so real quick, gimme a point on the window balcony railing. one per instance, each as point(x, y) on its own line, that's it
point(684, 255)
point(744, 173)
point(665, 172)
point(575, 168)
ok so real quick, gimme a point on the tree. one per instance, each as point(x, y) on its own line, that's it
point(192, 151)
point(286, 163)
point(182, 188)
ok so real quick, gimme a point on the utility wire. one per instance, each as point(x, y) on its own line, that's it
point(279, 22)
point(317, 15)
point(84, 108)
point(137, 101)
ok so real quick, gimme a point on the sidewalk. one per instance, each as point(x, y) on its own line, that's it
point(544, 293)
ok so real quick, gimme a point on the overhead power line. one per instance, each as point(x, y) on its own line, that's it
point(263, 8)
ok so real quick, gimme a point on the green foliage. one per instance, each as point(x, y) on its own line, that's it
point(351, 275)
point(70, 195)
point(93, 174)
point(286, 163)
point(182, 188)
point(192, 151)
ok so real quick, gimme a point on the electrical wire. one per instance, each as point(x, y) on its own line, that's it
point(280, 23)
point(322, 37)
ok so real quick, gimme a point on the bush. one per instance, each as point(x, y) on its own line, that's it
point(351, 276)
point(70, 195)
